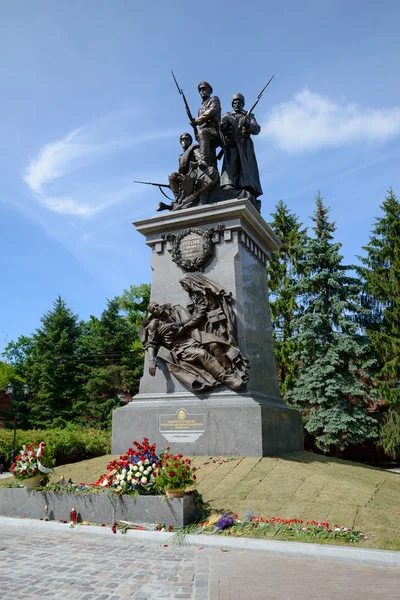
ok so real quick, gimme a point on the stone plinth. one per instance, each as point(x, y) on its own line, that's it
point(98, 508)
point(218, 424)
point(253, 422)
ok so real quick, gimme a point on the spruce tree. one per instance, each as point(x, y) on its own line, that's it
point(332, 386)
point(48, 368)
point(381, 273)
point(283, 272)
point(107, 366)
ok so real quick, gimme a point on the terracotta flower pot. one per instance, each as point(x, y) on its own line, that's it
point(174, 493)
point(33, 482)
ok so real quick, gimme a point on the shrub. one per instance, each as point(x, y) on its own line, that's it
point(65, 446)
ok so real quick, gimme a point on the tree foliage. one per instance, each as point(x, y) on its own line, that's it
point(381, 273)
point(8, 374)
point(48, 370)
point(80, 371)
point(283, 273)
point(107, 368)
point(333, 382)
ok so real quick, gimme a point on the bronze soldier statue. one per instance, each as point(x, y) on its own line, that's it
point(187, 162)
point(209, 117)
point(195, 176)
point(239, 168)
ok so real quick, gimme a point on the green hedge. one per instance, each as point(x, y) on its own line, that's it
point(65, 446)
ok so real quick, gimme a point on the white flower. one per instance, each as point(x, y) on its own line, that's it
point(143, 480)
point(147, 471)
point(139, 464)
point(141, 469)
point(123, 474)
point(134, 481)
point(146, 462)
point(104, 483)
point(129, 477)
point(154, 466)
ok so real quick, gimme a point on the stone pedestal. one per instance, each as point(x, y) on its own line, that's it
point(98, 508)
point(253, 422)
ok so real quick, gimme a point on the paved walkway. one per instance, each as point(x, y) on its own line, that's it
point(55, 565)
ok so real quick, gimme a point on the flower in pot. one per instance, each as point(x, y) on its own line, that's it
point(175, 475)
point(28, 465)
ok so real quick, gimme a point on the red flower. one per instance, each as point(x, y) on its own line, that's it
point(172, 474)
point(176, 465)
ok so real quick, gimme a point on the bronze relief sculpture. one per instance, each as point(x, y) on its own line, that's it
point(197, 343)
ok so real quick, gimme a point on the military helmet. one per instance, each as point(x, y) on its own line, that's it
point(205, 83)
point(238, 97)
point(185, 134)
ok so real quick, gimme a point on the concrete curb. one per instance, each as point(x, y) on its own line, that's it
point(320, 551)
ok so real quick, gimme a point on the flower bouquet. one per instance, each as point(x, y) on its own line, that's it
point(28, 465)
point(175, 475)
point(133, 473)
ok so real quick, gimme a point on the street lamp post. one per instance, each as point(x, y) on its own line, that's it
point(10, 392)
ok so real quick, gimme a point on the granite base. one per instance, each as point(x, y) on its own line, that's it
point(224, 424)
point(98, 508)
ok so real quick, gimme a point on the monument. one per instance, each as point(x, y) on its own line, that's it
point(209, 385)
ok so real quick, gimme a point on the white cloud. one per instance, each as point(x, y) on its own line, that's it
point(53, 161)
point(49, 175)
point(310, 121)
point(69, 206)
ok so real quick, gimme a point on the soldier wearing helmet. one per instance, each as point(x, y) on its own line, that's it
point(208, 119)
point(239, 168)
point(188, 161)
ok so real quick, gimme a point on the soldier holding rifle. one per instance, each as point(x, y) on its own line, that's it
point(209, 117)
point(239, 169)
point(188, 161)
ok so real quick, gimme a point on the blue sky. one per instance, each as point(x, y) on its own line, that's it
point(87, 105)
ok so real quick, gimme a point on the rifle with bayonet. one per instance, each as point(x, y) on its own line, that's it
point(189, 114)
point(246, 116)
point(159, 185)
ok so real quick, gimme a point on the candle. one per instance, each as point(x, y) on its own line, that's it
point(73, 515)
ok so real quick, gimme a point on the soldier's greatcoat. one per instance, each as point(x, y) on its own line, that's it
point(239, 168)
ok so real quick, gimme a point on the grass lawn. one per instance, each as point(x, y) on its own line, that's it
point(300, 485)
